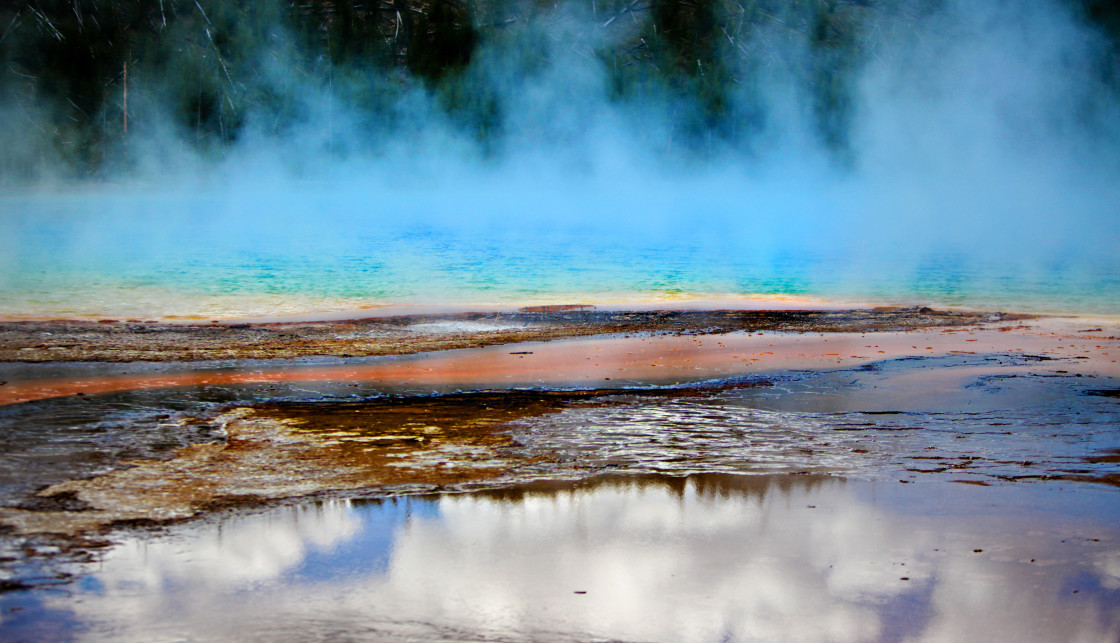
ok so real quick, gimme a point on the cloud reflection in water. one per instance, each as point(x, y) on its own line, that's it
point(704, 558)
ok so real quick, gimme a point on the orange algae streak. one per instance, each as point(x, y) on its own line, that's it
point(616, 362)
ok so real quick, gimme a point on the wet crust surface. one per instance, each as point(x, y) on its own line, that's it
point(274, 453)
point(281, 450)
point(289, 451)
point(285, 451)
point(120, 341)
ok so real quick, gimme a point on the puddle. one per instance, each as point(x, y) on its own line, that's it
point(453, 327)
point(698, 558)
point(78, 464)
point(961, 418)
point(580, 515)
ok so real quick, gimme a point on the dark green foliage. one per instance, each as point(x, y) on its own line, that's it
point(351, 33)
point(685, 31)
point(1105, 15)
point(687, 44)
point(212, 70)
point(68, 58)
point(443, 40)
point(834, 46)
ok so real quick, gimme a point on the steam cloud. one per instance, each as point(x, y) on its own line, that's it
point(904, 133)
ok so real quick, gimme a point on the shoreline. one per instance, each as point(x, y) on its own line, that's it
point(356, 312)
point(668, 302)
point(558, 348)
point(450, 414)
point(111, 340)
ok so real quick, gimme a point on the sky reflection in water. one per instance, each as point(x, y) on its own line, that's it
point(704, 558)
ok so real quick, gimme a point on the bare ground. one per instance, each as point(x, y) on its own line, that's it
point(121, 341)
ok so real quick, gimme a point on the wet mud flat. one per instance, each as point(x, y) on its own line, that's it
point(277, 450)
point(136, 340)
point(994, 421)
point(929, 413)
point(816, 505)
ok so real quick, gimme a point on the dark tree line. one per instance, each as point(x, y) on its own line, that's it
point(79, 78)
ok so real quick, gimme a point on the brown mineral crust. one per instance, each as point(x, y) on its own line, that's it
point(116, 341)
point(283, 450)
point(273, 454)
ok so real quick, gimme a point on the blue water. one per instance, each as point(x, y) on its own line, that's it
point(702, 558)
point(297, 248)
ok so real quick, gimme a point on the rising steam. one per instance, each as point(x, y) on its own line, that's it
point(861, 149)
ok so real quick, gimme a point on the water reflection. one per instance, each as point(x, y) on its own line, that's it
point(702, 558)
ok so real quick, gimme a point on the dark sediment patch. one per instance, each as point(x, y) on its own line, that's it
point(279, 450)
point(289, 451)
point(1112, 457)
point(73, 341)
point(1104, 392)
point(1111, 479)
point(11, 586)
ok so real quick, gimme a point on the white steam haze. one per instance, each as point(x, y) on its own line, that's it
point(980, 136)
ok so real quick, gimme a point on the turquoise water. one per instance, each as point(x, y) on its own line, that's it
point(300, 248)
point(980, 170)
